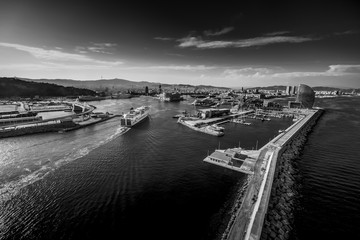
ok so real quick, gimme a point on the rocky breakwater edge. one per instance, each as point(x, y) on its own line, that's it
point(286, 188)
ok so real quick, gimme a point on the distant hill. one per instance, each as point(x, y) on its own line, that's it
point(276, 87)
point(14, 87)
point(113, 85)
point(318, 88)
point(332, 89)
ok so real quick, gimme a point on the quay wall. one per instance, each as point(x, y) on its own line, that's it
point(42, 127)
point(56, 127)
point(38, 129)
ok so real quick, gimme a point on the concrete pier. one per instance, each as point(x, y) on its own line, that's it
point(249, 219)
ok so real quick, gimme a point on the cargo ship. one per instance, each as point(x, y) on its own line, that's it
point(134, 116)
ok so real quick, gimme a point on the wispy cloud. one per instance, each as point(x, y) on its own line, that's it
point(247, 72)
point(277, 33)
point(48, 66)
point(219, 32)
point(183, 67)
point(348, 32)
point(175, 54)
point(104, 48)
point(333, 71)
point(56, 55)
point(174, 67)
point(271, 73)
point(197, 42)
point(344, 69)
point(164, 38)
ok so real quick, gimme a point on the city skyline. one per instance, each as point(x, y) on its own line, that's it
point(228, 44)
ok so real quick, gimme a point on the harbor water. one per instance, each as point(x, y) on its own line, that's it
point(147, 183)
point(329, 174)
point(97, 183)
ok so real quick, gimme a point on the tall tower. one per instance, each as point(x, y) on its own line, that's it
point(288, 90)
point(305, 96)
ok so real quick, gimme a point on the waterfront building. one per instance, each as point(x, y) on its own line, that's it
point(305, 96)
point(291, 90)
point(293, 104)
point(288, 90)
point(210, 112)
point(170, 97)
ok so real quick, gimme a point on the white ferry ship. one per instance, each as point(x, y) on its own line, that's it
point(134, 116)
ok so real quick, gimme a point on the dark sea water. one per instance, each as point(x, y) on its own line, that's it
point(329, 169)
point(149, 183)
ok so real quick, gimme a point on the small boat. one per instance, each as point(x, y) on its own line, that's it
point(179, 115)
point(214, 130)
point(241, 121)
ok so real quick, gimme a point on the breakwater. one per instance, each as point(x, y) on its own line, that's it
point(267, 184)
point(285, 189)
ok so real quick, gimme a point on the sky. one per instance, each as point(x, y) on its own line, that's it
point(219, 43)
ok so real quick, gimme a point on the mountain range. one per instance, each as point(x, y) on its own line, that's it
point(115, 85)
point(50, 87)
point(13, 87)
point(317, 88)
